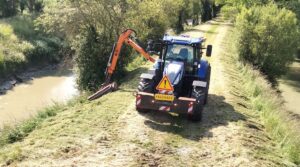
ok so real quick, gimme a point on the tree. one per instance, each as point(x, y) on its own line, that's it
point(266, 38)
point(8, 8)
point(293, 5)
point(22, 5)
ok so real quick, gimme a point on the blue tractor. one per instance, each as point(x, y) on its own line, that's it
point(179, 80)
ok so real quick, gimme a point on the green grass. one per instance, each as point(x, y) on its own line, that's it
point(11, 134)
point(65, 126)
point(210, 34)
point(267, 104)
point(22, 46)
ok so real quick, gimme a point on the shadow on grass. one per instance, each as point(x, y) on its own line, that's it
point(216, 113)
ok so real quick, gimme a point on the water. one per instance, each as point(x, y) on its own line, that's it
point(290, 88)
point(25, 99)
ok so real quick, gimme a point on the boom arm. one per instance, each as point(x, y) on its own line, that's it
point(124, 38)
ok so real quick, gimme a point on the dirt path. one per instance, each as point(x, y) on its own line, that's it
point(227, 136)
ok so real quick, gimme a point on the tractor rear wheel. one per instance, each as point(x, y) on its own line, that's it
point(207, 80)
point(146, 85)
point(196, 116)
point(198, 108)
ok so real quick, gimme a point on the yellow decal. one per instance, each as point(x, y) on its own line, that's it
point(164, 97)
point(165, 84)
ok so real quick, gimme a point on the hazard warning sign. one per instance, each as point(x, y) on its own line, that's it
point(165, 84)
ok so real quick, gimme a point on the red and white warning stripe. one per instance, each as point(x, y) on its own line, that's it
point(138, 100)
point(164, 108)
point(166, 92)
point(190, 109)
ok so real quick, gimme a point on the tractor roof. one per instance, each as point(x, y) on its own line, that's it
point(183, 40)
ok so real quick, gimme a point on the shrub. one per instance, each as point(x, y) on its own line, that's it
point(23, 26)
point(267, 38)
point(5, 31)
point(46, 50)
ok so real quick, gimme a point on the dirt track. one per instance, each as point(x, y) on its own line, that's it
point(227, 136)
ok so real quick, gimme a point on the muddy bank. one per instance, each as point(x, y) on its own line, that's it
point(12, 81)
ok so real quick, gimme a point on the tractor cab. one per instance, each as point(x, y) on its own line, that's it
point(180, 60)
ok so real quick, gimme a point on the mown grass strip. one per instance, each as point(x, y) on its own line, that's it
point(10, 134)
point(266, 102)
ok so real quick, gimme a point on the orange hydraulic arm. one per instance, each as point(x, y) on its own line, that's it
point(125, 37)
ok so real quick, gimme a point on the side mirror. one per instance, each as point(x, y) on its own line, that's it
point(208, 50)
point(152, 47)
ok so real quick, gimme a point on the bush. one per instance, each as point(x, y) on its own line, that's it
point(267, 38)
point(45, 50)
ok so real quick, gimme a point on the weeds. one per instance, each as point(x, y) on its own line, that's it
point(280, 125)
point(11, 134)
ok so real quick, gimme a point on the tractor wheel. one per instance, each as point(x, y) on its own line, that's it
point(204, 90)
point(197, 114)
point(146, 85)
point(207, 80)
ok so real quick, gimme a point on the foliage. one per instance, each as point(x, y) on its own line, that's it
point(293, 5)
point(266, 38)
point(8, 8)
point(89, 60)
point(21, 45)
point(231, 8)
